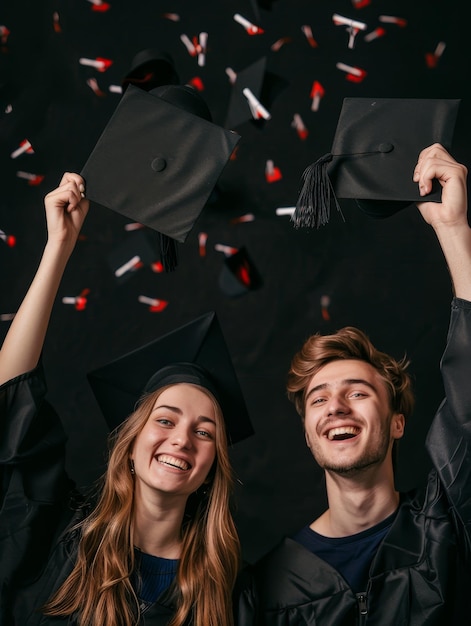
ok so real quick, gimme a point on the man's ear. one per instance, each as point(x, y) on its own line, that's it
point(398, 424)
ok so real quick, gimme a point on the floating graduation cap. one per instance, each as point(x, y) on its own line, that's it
point(150, 68)
point(238, 274)
point(158, 160)
point(374, 153)
point(195, 352)
point(263, 85)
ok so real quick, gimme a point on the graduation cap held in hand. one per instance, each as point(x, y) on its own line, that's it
point(375, 149)
point(158, 160)
point(194, 353)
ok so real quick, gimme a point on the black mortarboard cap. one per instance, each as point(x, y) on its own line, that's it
point(238, 274)
point(196, 352)
point(264, 85)
point(374, 153)
point(252, 78)
point(150, 68)
point(158, 159)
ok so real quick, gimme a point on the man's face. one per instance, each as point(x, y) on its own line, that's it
point(349, 424)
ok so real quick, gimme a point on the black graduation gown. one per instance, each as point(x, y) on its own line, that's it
point(421, 574)
point(36, 551)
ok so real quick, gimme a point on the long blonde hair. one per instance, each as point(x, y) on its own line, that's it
point(98, 590)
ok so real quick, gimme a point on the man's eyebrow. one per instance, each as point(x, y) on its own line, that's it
point(345, 382)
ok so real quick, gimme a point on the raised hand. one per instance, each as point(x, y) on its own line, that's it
point(436, 162)
point(66, 209)
point(449, 217)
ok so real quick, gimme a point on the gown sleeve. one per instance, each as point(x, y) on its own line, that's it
point(245, 599)
point(449, 438)
point(33, 482)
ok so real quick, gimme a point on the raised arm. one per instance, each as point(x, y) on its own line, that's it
point(66, 209)
point(448, 218)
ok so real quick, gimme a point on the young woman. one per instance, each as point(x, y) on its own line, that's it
point(159, 545)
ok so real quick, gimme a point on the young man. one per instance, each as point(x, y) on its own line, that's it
point(376, 556)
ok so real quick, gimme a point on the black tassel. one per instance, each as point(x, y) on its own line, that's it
point(316, 197)
point(168, 252)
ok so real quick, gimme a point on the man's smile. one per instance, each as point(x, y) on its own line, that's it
point(342, 432)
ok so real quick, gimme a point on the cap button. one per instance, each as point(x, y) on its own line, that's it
point(158, 164)
point(385, 147)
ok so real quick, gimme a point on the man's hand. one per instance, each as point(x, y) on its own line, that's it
point(436, 162)
point(449, 217)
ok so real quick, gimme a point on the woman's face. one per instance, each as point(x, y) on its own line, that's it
point(175, 450)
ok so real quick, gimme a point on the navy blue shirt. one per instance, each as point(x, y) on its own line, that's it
point(153, 575)
point(352, 555)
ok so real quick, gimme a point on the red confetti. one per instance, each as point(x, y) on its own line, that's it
point(243, 274)
point(248, 217)
point(202, 239)
point(197, 83)
point(309, 36)
point(25, 148)
point(432, 58)
point(375, 34)
point(56, 24)
point(279, 43)
point(10, 240)
point(354, 74)
point(272, 173)
point(257, 109)
point(157, 267)
point(101, 7)
point(325, 302)
point(155, 305)
point(33, 179)
point(100, 64)
point(157, 308)
point(390, 19)
point(174, 17)
point(300, 127)
point(4, 33)
point(317, 93)
point(93, 84)
point(250, 28)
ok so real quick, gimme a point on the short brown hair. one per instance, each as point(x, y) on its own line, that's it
point(348, 343)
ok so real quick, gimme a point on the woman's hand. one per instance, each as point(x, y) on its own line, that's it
point(66, 209)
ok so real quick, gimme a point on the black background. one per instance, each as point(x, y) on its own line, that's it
point(386, 276)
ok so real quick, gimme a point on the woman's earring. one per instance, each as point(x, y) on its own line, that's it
point(131, 466)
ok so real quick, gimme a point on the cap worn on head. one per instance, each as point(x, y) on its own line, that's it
point(374, 153)
point(195, 352)
point(158, 159)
